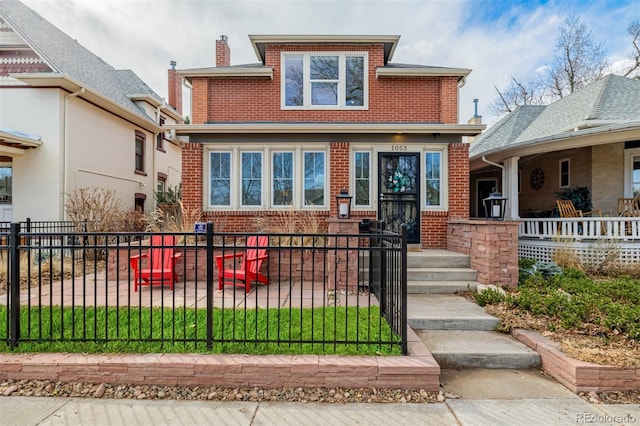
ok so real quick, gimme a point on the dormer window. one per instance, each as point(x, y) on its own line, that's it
point(324, 81)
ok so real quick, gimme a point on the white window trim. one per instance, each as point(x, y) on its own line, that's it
point(628, 170)
point(444, 179)
point(262, 175)
point(267, 177)
point(293, 177)
point(372, 177)
point(306, 91)
point(302, 177)
point(568, 161)
point(210, 206)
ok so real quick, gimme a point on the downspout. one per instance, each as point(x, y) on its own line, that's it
point(492, 163)
point(64, 176)
point(508, 186)
point(154, 149)
point(503, 176)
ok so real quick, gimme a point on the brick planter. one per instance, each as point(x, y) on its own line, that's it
point(579, 376)
point(297, 264)
point(191, 266)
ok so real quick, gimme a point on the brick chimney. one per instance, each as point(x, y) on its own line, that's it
point(223, 53)
point(175, 88)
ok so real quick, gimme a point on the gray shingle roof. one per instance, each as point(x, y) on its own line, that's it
point(68, 57)
point(610, 100)
point(506, 130)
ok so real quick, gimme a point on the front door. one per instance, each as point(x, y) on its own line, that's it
point(399, 198)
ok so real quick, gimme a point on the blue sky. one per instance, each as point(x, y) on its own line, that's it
point(495, 38)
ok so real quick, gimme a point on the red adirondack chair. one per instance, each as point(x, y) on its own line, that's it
point(159, 267)
point(249, 269)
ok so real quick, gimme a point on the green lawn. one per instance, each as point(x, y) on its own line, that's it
point(145, 330)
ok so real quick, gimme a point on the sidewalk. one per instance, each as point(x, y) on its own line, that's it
point(474, 397)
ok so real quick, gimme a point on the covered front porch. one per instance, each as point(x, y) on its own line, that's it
point(592, 241)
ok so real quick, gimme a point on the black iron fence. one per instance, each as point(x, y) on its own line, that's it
point(205, 291)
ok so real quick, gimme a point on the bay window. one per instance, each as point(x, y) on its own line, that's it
point(267, 178)
point(220, 178)
point(251, 170)
point(282, 178)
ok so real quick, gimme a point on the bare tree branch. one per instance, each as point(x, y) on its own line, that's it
point(634, 32)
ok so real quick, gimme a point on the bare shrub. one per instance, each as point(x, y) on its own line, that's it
point(292, 222)
point(180, 219)
point(96, 208)
point(566, 256)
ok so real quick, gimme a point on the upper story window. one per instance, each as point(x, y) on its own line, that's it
point(139, 152)
point(324, 80)
point(160, 137)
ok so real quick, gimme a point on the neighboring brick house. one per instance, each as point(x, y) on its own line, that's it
point(68, 120)
point(322, 113)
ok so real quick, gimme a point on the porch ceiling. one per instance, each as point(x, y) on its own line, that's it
point(14, 143)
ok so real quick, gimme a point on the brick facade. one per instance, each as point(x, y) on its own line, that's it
point(401, 99)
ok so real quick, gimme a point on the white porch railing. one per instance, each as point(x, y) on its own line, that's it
point(582, 228)
point(593, 240)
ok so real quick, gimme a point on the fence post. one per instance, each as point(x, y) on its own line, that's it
point(403, 291)
point(209, 282)
point(14, 284)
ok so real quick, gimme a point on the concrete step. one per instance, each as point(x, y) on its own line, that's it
point(439, 287)
point(478, 349)
point(435, 258)
point(447, 312)
point(441, 274)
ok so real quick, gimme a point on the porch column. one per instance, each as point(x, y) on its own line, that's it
point(510, 187)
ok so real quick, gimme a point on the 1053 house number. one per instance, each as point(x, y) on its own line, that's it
point(399, 148)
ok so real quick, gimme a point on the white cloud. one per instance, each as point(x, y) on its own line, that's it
point(494, 38)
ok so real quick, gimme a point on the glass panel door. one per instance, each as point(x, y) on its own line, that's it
point(399, 193)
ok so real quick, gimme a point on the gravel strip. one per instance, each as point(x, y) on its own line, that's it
point(43, 388)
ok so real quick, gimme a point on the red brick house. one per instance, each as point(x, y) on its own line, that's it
point(322, 113)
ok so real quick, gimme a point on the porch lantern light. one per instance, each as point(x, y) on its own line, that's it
point(343, 201)
point(494, 206)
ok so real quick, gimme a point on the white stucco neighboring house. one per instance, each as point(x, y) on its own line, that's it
point(69, 120)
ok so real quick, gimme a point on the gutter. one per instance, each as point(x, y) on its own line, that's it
point(560, 137)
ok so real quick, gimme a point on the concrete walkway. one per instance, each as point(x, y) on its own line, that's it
point(474, 397)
